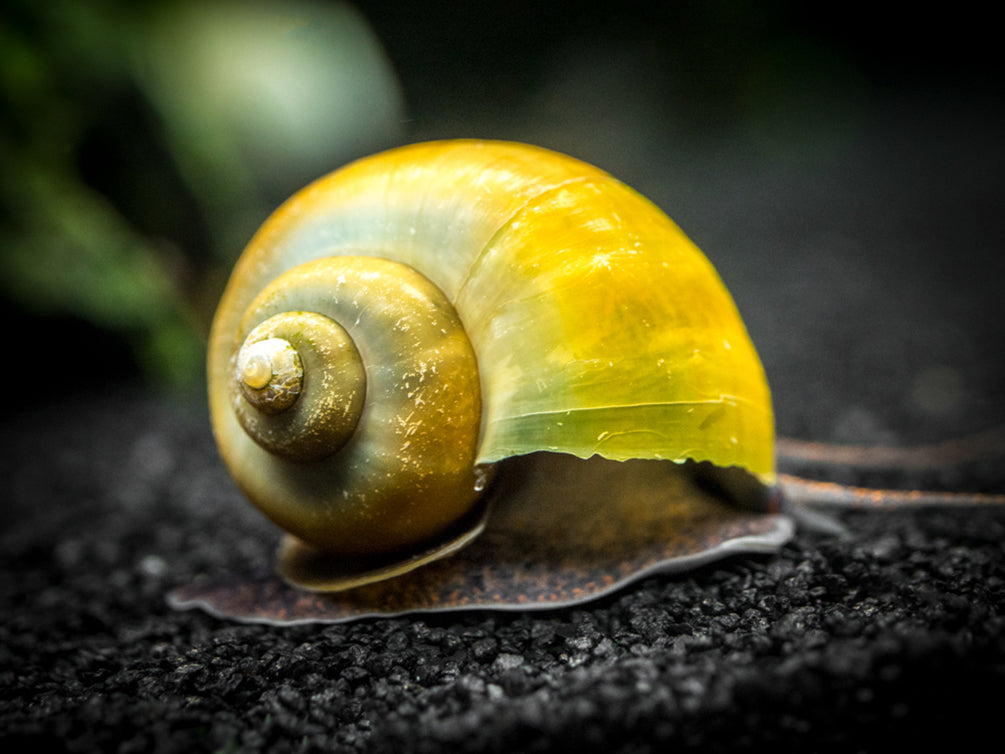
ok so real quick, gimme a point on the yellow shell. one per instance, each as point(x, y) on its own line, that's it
point(595, 325)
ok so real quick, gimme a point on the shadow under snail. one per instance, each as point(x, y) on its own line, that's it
point(493, 352)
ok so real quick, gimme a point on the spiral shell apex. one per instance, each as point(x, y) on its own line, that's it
point(405, 322)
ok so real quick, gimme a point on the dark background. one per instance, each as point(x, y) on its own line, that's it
point(842, 168)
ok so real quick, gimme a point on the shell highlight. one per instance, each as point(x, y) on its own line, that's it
point(599, 328)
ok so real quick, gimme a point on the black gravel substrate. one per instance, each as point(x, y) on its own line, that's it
point(892, 637)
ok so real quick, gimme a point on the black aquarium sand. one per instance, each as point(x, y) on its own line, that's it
point(890, 637)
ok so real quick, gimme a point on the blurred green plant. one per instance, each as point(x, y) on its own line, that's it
point(141, 144)
point(71, 253)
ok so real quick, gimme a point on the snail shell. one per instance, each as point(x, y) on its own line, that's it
point(403, 324)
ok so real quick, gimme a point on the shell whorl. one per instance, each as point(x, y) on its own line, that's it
point(378, 448)
point(276, 404)
point(596, 325)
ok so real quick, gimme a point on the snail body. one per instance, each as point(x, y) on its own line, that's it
point(401, 326)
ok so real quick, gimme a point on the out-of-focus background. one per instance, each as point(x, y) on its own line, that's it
point(142, 144)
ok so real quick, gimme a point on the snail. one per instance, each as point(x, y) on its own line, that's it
point(493, 352)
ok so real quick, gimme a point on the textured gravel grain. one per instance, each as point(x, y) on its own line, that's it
point(892, 636)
